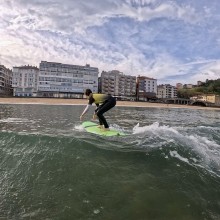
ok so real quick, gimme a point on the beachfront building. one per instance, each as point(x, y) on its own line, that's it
point(146, 88)
point(24, 81)
point(118, 84)
point(212, 99)
point(166, 91)
point(5, 81)
point(188, 86)
point(66, 81)
point(200, 83)
point(179, 86)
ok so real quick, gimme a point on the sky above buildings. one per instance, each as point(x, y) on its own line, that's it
point(172, 41)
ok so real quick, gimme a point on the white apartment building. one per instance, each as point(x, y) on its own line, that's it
point(24, 81)
point(146, 84)
point(146, 88)
point(5, 81)
point(64, 80)
point(117, 84)
point(166, 91)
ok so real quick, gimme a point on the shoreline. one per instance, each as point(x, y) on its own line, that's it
point(59, 101)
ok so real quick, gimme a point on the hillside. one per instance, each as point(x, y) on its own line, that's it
point(209, 87)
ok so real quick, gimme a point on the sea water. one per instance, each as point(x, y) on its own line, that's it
point(167, 167)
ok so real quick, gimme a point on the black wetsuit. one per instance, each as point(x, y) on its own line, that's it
point(103, 102)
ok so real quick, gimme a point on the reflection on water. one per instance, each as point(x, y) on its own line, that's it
point(168, 167)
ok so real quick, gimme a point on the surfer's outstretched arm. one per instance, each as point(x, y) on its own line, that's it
point(85, 111)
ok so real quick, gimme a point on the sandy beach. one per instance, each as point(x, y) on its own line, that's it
point(58, 101)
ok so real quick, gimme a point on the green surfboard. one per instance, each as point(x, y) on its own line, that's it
point(92, 127)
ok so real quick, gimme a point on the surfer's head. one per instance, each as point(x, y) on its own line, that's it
point(88, 92)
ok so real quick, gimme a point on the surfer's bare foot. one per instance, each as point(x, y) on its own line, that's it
point(106, 129)
point(100, 126)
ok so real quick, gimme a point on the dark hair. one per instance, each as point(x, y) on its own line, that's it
point(88, 92)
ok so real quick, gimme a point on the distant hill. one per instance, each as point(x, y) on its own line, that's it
point(209, 87)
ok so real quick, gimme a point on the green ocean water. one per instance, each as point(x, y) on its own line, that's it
point(167, 167)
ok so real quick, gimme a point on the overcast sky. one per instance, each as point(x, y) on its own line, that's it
point(172, 41)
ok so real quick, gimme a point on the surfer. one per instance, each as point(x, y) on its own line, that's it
point(103, 102)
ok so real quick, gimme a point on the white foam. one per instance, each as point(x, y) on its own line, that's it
point(176, 155)
point(199, 149)
point(116, 127)
point(155, 127)
point(17, 120)
point(78, 127)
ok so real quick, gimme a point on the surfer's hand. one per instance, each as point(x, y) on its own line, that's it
point(81, 117)
point(94, 116)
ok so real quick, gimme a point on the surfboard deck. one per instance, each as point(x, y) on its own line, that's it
point(92, 127)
